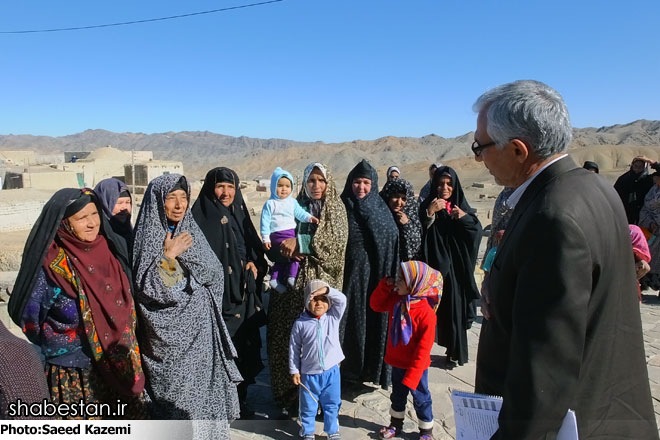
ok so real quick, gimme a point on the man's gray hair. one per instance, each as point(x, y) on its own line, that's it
point(530, 111)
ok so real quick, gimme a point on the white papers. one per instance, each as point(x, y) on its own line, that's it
point(476, 417)
point(568, 430)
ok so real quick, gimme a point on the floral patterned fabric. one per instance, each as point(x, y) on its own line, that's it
point(71, 385)
point(501, 215)
point(649, 215)
point(371, 254)
point(325, 261)
point(52, 321)
point(410, 234)
point(186, 349)
point(120, 361)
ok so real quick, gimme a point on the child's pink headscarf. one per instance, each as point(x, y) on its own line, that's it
point(424, 282)
point(639, 243)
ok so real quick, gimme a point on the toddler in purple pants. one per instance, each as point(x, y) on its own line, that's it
point(278, 222)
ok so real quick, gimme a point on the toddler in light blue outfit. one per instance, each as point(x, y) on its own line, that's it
point(314, 357)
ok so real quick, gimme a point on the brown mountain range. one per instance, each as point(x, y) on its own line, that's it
point(251, 156)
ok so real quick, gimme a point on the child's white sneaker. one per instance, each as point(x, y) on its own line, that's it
point(291, 281)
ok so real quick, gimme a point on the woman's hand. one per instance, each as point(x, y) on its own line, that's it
point(642, 268)
point(296, 379)
point(436, 206)
point(288, 247)
point(457, 212)
point(401, 217)
point(250, 266)
point(644, 159)
point(267, 246)
point(173, 247)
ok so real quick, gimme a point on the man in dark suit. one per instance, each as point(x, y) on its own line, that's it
point(563, 328)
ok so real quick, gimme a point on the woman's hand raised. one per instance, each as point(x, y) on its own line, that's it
point(457, 212)
point(436, 206)
point(173, 247)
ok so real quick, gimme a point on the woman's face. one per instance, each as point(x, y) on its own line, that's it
point(316, 184)
point(361, 187)
point(396, 202)
point(393, 175)
point(85, 223)
point(225, 192)
point(123, 205)
point(445, 190)
point(176, 204)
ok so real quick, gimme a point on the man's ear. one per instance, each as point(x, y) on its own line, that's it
point(520, 150)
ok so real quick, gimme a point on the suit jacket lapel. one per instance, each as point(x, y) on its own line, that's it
point(553, 171)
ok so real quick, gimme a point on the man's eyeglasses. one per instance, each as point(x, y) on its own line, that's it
point(477, 148)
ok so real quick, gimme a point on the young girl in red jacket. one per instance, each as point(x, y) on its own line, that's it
point(411, 300)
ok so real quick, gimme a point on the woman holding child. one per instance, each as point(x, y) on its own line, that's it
point(320, 249)
point(452, 233)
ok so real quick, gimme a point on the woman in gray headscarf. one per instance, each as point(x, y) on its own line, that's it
point(187, 353)
point(117, 205)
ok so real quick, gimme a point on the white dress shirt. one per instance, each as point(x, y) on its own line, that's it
point(515, 197)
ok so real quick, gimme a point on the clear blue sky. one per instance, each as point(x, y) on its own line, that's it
point(318, 69)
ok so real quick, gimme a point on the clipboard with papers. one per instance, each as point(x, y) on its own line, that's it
point(476, 417)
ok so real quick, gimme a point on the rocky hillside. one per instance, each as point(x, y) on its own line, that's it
point(250, 156)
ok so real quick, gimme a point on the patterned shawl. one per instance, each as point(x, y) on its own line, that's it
point(372, 218)
point(639, 244)
point(187, 351)
point(95, 275)
point(423, 282)
point(150, 231)
point(500, 218)
point(650, 212)
point(410, 234)
point(199, 261)
point(328, 242)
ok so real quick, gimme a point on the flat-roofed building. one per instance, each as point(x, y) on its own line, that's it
point(147, 171)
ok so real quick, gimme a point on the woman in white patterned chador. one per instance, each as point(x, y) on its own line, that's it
point(187, 353)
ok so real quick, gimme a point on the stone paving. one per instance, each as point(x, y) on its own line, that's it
point(363, 414)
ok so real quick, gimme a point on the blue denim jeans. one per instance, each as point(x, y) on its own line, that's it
point(421, 396)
